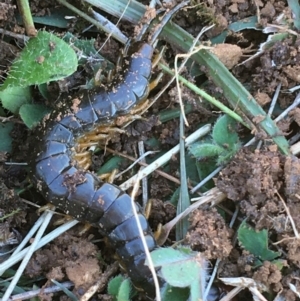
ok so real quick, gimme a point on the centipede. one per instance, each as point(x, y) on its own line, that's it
point(61, 156)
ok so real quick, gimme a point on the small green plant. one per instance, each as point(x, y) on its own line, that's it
point(225, 142)
point(256, 242)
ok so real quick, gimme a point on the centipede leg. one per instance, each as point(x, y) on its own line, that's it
point(118, 65)
point(109, 177)
point(48, 206)
point(155, 82)
point(63, 220)
point(158, 57)
point(112, 73)
point(159, 231)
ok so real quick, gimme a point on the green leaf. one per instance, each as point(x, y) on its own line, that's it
point(204, 169)
point(191, 168)
point(247, 23)
point(165, 256)
point(228, 154)
point(182, 268)
point(175, 196)
point(205, 150)
point(114, 285)
point(13, 98)
point(224, 132)
point(45, 58)
point(256, 242)
point(43, 89)
point(32, 114)
point(6, 140)
point(181, 274)
point(120, 288)
point(124, 291)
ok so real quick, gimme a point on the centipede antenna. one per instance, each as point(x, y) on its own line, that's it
point(165, 20)
point(142, 32)
point(146, 26)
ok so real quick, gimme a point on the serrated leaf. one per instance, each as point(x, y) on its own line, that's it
point(205, 150)
point(114, 285)
point(6, 140)
point(124, 290)
point(224, 132)
point(228, 154)
point(32, 114)
point(256, 242)
point(13, 98)
point(45, 58)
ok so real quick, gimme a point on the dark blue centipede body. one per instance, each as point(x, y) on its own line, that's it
point(57, 175)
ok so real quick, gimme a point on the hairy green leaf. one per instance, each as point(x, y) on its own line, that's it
point(205, 150)
point(224, 132)
point(13, 98)
point(32, 114)
point(45, 58)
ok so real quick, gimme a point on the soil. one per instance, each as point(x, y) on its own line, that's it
point(263, 186)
